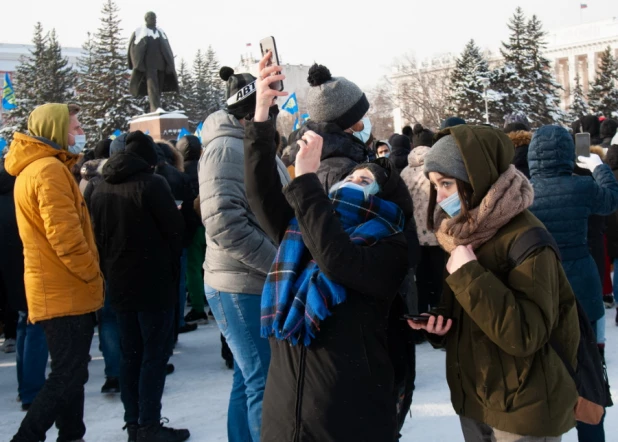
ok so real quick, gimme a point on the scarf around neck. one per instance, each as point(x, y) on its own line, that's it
point(510, 195)
point(295, 299)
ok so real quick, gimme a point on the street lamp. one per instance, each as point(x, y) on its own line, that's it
point(485, 84)
point(100, 122)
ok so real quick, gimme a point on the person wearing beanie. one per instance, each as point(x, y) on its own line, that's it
point(62, 276)
point(607, 132)
point(591, 124)
point(238, 251)
point(139, 232)
point(118, 144)
point(516, 121)
point(345, 255)
point(503, 311)
point(452, 121)
point(337, 107)
point(407, 131)
point(421, 136)
point(400, 149)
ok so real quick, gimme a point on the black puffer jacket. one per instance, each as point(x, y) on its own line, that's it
point(608, 131)
point(592, 125)
point(12, 250)
point(341, 387)
point(190, 148)
point(139, 230)
point(341, 151)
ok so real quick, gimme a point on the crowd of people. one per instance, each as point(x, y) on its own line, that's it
point(309, 251)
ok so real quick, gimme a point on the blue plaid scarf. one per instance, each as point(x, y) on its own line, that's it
point(295, 299)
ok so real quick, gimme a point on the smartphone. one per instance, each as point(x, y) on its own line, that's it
point(582, 144)
point(268, 44)
point(417, 318)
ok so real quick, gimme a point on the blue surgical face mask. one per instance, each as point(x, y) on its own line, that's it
point(351, 185)
point(370, 189)
point(451, 205)
point(364, 134)
point(386, 155)
point(80, 143)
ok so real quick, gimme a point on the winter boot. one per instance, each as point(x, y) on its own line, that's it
point(158, 433)
point(608, 300)
point(187, 328)
point(194, 317)
point(132, 431)
point(112, 385)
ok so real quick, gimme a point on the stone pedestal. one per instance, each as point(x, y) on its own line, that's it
point(160, 125)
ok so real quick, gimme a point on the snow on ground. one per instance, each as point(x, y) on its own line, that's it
point(196, 395)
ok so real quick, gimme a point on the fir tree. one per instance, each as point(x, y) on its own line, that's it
point(60, 78)
point(466, 88)
point(542, 89)
point(508, 81)
point(603, 94)
point(216, 94)
point(579, 106)
point(107, 83)
point(28, 79)
point(86, 88)
point(201, 87)
point(186, 92)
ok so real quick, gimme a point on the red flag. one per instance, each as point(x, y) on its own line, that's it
point(248, 44)
point(583, 6)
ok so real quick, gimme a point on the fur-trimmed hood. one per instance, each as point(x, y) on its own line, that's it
point(92, 168)
point(520, 138)
point(170, 155)
point(599, 150)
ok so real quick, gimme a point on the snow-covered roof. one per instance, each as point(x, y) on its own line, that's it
point(11, 53)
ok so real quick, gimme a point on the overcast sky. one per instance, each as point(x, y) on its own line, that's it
point(357, 40)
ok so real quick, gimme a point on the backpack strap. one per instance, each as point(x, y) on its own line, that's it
point(528, 242)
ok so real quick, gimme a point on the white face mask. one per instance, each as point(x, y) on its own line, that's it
point(80, 143)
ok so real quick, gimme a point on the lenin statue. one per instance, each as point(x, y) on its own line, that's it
point(152, 63)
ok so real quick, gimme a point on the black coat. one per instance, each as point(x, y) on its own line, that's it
point(138, 229)
point(521, 140)
point(190, 149)
point(341, 387)
point(12, 250)
point(341, 151)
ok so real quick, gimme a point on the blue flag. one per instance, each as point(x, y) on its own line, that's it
point(147, 132)
point(182, 133)
point(304, 118)
point(115, 134)
point(296, 124)
point(198, 131)
point(8, 95)
point(291, 105)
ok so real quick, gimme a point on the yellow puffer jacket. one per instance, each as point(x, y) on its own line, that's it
point(62, 274)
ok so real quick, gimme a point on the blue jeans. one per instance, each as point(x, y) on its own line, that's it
point(182, 289)
point(238, 318)
point(146, 340)
point(31, 358)
point(109, 339)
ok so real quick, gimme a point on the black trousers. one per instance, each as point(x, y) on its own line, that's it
point(61, 399)
point(154, 83)
point(146, 340)
point(430, 277)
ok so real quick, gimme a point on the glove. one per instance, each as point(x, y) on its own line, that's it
point(590, 163)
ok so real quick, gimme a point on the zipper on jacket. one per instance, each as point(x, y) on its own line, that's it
point(299, 391)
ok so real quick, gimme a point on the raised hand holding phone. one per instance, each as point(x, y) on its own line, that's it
point(265, 96)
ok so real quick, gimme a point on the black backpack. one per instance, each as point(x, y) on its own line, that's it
point(591, 374)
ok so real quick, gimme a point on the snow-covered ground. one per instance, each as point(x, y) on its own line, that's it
point(196, 395)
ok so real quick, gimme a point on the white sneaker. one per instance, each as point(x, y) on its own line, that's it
point(8, 346)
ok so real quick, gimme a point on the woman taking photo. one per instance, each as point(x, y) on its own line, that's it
point(496, 318)
point(325, 304)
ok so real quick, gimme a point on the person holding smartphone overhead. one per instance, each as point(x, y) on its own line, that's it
point(496, 317)
point(342, 257)
point(564, 203)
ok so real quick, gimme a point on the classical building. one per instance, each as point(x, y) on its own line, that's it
point(571, 50)
point(11, 55)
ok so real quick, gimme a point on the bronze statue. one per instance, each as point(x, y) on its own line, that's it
point(152, 63)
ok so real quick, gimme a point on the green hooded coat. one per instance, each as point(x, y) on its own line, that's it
point(501, 368)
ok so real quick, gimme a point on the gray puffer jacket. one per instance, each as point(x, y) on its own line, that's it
point(238, 252)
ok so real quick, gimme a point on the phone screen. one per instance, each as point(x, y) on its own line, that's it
point(582, 144)
point(268, 44)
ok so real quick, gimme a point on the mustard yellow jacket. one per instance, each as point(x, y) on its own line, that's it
point(62, 275)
